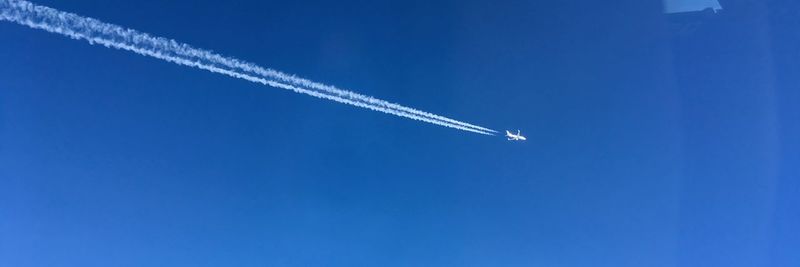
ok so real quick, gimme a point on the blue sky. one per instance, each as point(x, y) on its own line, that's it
point(646, 147)
point(674, 6)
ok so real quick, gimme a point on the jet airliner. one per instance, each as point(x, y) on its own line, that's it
point(515, 137)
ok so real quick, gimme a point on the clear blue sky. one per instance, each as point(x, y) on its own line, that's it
point(648, 145)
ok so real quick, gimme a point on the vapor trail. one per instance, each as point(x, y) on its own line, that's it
point(109, 35)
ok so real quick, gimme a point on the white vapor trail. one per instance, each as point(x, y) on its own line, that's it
point(109, 35)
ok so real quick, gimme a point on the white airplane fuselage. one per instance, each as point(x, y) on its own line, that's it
point(515, 137)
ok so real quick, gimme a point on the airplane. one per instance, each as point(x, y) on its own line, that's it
point(515, 137)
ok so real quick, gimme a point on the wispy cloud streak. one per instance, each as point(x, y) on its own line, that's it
point(109, 35)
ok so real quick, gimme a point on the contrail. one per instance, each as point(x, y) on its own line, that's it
point(109, 35)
